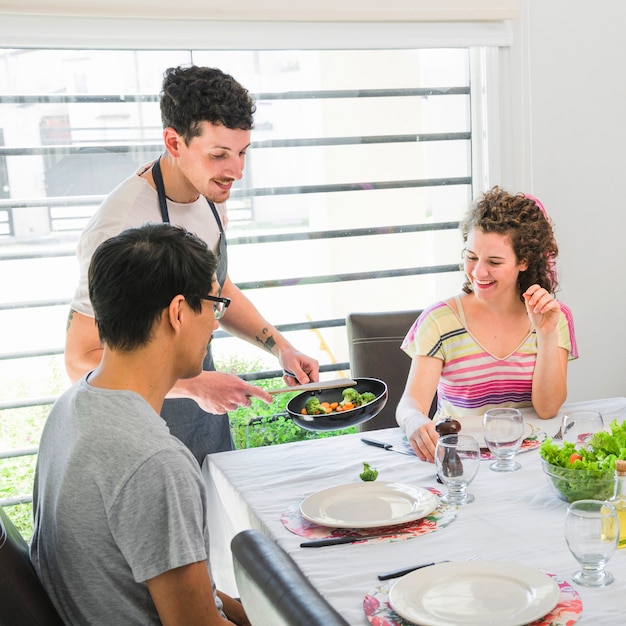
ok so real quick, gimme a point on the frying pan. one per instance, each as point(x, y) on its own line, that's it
point(344, 419)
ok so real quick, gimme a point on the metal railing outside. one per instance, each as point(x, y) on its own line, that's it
point(67, 215)
point(251, 376)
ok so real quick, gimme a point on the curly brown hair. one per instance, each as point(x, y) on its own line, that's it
point(194, 94)
point(529, 230)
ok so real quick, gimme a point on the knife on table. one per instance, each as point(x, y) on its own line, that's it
point(406, 570)
point(385, 446)
point(388, 446)
point(334, 541)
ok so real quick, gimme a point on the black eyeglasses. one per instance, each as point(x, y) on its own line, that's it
point(221, 304)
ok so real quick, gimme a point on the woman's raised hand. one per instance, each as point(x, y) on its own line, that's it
point(542, 308)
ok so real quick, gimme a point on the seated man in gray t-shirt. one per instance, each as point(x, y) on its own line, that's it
point(121, 520)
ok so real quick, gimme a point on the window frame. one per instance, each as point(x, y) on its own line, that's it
point(483, 60)
point(485, 40)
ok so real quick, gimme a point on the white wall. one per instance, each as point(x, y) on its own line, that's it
point(567, 146)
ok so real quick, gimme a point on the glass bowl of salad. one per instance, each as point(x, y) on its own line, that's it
point(579, 483)
point(584, 472)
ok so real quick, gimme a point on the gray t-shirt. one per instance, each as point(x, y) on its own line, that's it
point(117, 501)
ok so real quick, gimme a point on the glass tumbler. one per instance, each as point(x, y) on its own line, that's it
point(578, 426)
point(503, 430)
point(591, 533)
point(457, 458)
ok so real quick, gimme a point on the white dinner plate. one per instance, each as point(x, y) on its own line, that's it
point(475, 593)
point(368, 505)
point(473, 425)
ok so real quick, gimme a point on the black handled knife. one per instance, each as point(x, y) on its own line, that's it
point(385, 446)
point(335, 541)
point(396, 573)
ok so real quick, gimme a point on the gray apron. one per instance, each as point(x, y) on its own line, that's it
point(200, 431)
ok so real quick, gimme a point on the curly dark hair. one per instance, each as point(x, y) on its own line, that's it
point(529, 230)
point(191, 95)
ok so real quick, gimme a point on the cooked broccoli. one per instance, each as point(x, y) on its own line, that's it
point(350, 394)
point(368, 473)
point(367, 396)
point(313, 406)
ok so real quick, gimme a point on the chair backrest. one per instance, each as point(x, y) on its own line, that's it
point(23, 600)
point(374, 341)
point(273, 590)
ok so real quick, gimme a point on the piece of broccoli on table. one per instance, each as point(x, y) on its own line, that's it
point(313, 406)
point(368, 473)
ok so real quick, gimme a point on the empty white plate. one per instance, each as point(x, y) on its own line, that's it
point(368, 505)
point(474, 593)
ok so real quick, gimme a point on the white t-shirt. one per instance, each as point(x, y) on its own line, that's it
point(133, 203)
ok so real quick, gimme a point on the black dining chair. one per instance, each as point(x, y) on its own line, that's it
point(23, 600)
point(374, 341)
point(273, 590)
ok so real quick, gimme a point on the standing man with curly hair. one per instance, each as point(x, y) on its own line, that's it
point(207, 121)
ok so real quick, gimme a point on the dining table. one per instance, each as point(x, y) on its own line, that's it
point(515, 519)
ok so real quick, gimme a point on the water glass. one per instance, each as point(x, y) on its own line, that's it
point(578, 426)
point(592, 533)
point(503, 430)
point(457, 458)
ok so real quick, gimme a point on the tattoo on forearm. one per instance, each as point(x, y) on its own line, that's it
point(267, 342)
point(70, 317)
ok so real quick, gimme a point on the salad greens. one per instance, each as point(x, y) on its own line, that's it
point(595, 462)
point(603, 449)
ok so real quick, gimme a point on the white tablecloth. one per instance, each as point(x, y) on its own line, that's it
point(515, 517)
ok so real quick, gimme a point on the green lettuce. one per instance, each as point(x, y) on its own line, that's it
point(596, 464)
point(603, 449)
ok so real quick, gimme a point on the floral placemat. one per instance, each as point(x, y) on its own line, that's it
point(531, 442)
point(444, 514)
point(379, 612)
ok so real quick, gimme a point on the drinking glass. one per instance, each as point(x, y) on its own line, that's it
point(503, 430)
point(457, 458)
point(578, 426)
point(592, 533)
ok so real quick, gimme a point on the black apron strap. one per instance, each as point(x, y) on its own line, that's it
point(201, 432)
point(222, 269)
point(222, 253)
point(158, 181)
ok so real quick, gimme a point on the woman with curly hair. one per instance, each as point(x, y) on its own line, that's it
point(505, 341)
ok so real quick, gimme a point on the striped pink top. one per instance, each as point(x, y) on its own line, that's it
point(472, 379)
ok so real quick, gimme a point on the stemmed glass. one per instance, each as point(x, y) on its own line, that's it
point(592, 533)
point(457, 458)
point(578, 426)
point(503, 430)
